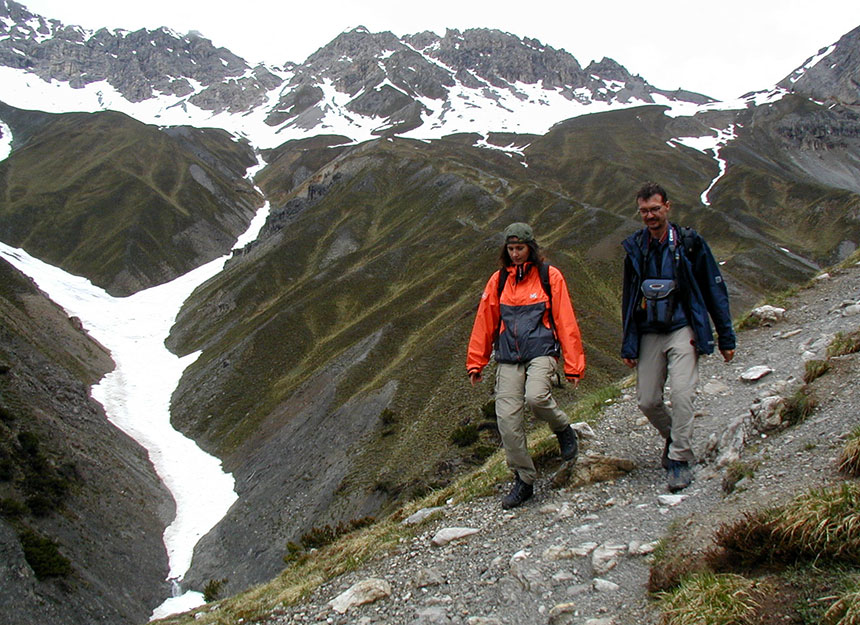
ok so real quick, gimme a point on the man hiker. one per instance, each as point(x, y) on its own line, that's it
point(671, 285)
point(526, 319)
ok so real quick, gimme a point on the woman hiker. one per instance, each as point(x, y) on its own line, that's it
point(527, 320)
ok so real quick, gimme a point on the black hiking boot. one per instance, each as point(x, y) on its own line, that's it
point(518, 495)
point(678, 475)
point(567, 443)
point(664, 461)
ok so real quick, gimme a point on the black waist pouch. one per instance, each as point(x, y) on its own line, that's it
point(658, 302)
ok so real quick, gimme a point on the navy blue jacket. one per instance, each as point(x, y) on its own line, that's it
point(701, 289)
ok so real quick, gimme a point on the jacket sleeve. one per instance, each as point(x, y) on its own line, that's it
point(716, 295)
point(566, 326)
point(630, 331)
point(485, 327)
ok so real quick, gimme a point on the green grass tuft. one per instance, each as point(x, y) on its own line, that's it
point(843, 344)
point(814, 369)
point(798, 407)
point(849, 459)
point(710, 599)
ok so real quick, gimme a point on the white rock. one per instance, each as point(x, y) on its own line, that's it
point(605, 557)
point(447, 534)
point(599, 621)
point(766, 414)
point(821, 276)
point(850, 311)
point(790, 333)
point(756, 373)
point(644, 549)
point(563, 576)
point(715, 387)
point(584, 549)
point(558, 552)
point(428, 576)
point(670, 500)
point(365, 591)
point(604, 585)
point(522, 554)
point(768, 313)
point(583, 430)
point(561, 613)
point(423, 513)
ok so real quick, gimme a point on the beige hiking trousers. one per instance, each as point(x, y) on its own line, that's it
point(517, 385)
point(671, 356)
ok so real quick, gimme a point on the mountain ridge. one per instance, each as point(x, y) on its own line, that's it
point(330, 379)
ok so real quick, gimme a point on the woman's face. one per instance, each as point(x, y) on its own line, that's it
point(519, 252)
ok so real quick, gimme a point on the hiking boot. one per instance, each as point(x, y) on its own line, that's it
point(518, 495)
point(664, 461)
point(678, 475)
point(567, 443)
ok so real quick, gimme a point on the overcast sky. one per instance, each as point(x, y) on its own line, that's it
point(722, 48)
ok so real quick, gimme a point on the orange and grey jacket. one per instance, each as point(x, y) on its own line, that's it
point(516, 325)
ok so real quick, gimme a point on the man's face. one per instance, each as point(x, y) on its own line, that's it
point(655, 214)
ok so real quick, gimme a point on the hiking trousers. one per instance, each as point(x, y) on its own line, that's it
point(671, 355)
point(518, 385)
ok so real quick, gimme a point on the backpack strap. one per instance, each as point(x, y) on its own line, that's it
point(543, 271)
point(689, 240)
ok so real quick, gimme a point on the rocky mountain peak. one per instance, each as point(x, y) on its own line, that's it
point(360, 84)
point(831, 75)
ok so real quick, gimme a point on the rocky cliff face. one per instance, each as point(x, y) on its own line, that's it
point(832, 75)
point(81, 509)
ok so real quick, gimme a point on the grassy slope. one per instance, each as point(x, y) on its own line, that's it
point(113, 199)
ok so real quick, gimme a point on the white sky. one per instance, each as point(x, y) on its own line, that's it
point(723, 48)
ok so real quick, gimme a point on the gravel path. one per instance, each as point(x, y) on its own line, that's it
point(580, 555)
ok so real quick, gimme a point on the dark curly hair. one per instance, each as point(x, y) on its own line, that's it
point(651, 188)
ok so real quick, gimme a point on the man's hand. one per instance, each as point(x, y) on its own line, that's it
point(728, 354)
point(475, 377)
point(630, 362)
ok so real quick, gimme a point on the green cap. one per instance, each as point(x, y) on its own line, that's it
point(521, 231)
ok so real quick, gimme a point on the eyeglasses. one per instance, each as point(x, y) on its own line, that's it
point(653, 209)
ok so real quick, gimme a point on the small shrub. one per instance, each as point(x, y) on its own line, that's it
point(465, 435)
point(29, 443)
point(212, 589)
point(748, 322)
point(735, 472)
point(843, 344)
point(12, 508)
point(294, 554)
point(6, 415)
point(43, 555)
point(321, 536)
point(7, 470)
point(814, 369)
point(488, 410)
point(710, 599)
point(40, 506)
point(849, 459)
point(798, 407)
